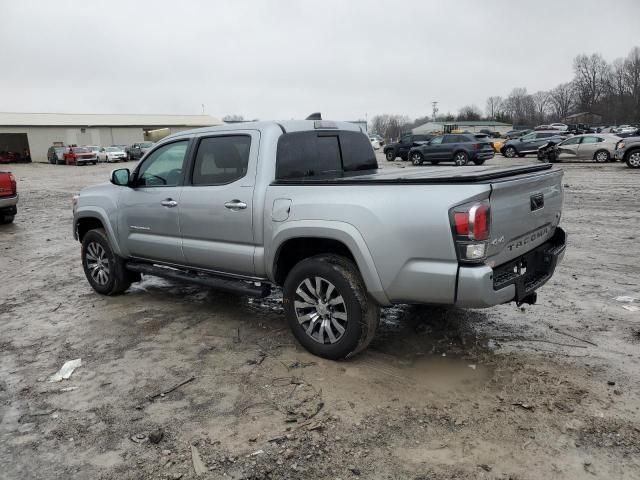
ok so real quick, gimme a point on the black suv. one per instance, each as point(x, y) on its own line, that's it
point(459, 148)
point(401, 148)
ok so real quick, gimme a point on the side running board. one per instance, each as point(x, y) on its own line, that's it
point(240, 287)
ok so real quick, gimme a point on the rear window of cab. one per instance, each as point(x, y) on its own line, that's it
point(323, 154)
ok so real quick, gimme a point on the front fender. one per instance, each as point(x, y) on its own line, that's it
point(100, 214)
point(333, 230)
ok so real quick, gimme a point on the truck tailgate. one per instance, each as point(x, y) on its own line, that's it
point(525, 210)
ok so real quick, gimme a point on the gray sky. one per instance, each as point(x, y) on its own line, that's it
point(285, 59)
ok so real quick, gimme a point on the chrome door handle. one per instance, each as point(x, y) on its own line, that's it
point(169, 203)
point(235, 205)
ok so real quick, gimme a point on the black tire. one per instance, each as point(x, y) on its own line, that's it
point(510, 152)
point(5, 219)
point(391, 155)
point(460, 159)
point(118, 279)
point(602, 156)
point(361, 312)
point(417, 158)
point(479, 161)
point(633, 159)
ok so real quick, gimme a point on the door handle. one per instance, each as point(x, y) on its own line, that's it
point(169, 203)
point(235, 205)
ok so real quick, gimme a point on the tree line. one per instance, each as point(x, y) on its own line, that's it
point(608, 89)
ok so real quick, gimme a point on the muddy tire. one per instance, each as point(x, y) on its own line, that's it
point(328, 308)
point(103, 268)
point(390, 155)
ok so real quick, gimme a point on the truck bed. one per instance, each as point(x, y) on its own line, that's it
point(423, 176)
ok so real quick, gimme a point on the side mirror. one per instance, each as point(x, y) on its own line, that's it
point(120, 177)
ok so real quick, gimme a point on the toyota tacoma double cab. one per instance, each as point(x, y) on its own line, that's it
point(302, 205)
point(8, 197)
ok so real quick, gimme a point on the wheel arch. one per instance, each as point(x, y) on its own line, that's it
point(86, 220)
point(595, 154)
point(631, 150)
point(303, 239)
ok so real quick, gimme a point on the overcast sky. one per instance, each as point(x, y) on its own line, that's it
point(285, 59)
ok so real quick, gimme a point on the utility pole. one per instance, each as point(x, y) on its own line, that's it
point(435, 110)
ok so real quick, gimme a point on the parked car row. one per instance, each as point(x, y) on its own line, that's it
point(75, 155)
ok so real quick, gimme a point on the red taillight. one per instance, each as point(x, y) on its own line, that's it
point(14, 186)
point(477, 146)
point(472, 221)
point(461, 222)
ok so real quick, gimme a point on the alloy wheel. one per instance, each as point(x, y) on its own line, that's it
point(98, 263)
point(320, 309)
point(634, 160)
point(602, 157)
point(510, 152)
point(460, 159)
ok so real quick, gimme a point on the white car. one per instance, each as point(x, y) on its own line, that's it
point(560, 126)
point(112, 154)
point(93, 148)
point(374, 143)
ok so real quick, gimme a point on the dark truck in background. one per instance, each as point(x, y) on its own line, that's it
point(401, 148)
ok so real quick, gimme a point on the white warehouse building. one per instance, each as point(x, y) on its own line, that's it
point(36, 132)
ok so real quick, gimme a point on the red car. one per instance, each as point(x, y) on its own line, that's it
point(8, 197)
point(79, 156)
point(8, 157)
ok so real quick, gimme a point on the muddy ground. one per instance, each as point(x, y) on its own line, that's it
point(542, 392)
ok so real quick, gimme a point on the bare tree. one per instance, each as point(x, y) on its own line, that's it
point(390, 126)
point(469, 112)
point(562, 100)
point(519, 106)
point(591, 79)
point(494, 107)
point(541, 101)
point(632, 79)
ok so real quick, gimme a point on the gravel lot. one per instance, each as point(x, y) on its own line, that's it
point(542, 392)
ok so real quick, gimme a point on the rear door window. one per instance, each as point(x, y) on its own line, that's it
point(221, 160)
point(323, 154)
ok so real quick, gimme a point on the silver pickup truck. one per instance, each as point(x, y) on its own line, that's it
point(303, 205)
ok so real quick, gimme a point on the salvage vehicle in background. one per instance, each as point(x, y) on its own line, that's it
point(79, 156)
point(55, 154)
point(460, 148)
point(8, 197)
point(628, 150)
point(402, 147)
point(374, 143)
point(530, 142)
point(240, 207)
point(137, 150)
point(112, 154)
point(511, 134)
point(93, 148)
point(599, 148)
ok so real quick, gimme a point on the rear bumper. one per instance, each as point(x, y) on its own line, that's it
point(9, 202)
point(483, 286)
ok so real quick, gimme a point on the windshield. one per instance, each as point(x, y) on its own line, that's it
point(80, 150)
point(113, 149)
point(94, 149)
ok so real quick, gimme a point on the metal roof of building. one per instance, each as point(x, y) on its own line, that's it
point(12, 119)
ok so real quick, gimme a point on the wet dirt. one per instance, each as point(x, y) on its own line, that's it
point(539, 392)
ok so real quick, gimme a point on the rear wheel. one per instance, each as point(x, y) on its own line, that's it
point(104, 270)
point(633, 160)
point(602, 156)
point(510, 152)
point(391, 155)
point(328, 308)
point(417, 158)
point(460, 159)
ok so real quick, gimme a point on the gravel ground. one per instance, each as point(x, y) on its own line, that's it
point(541, 392)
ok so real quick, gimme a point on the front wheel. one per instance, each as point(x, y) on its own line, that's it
point(104, 270)
point(417, 158)
point(633, 160)
point(460, 159)
point(510, 152)
point(328, 308)
point(391, 155)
